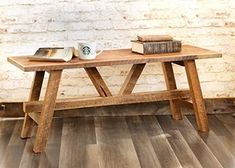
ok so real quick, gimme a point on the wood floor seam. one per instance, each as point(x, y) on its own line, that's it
point(123, 142)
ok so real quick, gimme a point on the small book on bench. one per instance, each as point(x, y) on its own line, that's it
point(53, 54)
point(155, 44)
point(156, 47)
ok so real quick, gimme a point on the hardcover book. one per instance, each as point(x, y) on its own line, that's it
point(154, 38)
point(156, 47)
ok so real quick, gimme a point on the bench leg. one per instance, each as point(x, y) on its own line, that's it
point(47, 111)
point(196, 94)
point(34, 96)
point(171, 85)
point(131, 79)
point(98, 82)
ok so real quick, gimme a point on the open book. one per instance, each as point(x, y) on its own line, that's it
point(53, 54)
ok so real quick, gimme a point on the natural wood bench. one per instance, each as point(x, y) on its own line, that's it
point(46, 107)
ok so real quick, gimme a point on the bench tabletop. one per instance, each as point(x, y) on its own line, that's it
point(114, 57)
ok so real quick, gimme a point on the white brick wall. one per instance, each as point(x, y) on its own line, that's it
point(26, 25)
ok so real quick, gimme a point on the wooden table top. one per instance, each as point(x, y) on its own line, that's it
point(114, 57)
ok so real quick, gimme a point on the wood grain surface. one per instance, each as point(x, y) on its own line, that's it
point(116, 148)
point(47, 111)
point(15, 148)
point(117, 142)
point(142, 143)
point(131, 79)
point(196, 144)
point(115, 57)
point(36, 106)
point(34, 96)
point(98, 82)
point(171, 85)
point(225, 157)
point(6, 130)
point(78, 144)
point(196, 94)
point(161, 145)
point(213, 106)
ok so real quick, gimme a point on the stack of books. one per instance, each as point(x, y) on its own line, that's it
point(155, 44)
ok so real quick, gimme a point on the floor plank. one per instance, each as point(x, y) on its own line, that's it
point(162, 148)
point(228, 121)
point(77, 142)
point(123, 142)
point(197, 145)
point(50, 158)
point(222, 133)
point(178, 143)
point(15, 148)
point(29, 159)
point(223, 155)
point(142, 143)
point(6, 129)
point(116, 149)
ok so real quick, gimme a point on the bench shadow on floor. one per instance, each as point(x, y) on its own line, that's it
point(123, 142)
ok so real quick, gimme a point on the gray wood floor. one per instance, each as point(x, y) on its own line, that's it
point(123, 142)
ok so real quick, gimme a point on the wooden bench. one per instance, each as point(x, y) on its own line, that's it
point(41, 112)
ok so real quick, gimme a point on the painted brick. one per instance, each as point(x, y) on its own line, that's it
point(26, 25)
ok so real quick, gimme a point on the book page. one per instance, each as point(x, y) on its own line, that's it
point(53, 54)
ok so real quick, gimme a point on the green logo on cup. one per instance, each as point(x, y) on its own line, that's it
point(86, 50)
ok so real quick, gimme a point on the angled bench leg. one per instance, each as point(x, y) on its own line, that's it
point(131, 79)
point(47, 111)
point(171, 85)
point(34, 96)
point(98, 82)
point(196, 94)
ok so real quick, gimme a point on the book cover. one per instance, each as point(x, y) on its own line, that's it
point(154, 38)
point(156, 47)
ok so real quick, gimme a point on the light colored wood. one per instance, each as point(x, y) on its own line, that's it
point(220, 105)
point(116, 148)
point(36, 106)
point(153, 108)
point(199, 148)
point(222, 133)
point(224, 156)
point(131, 79)
point(50, 157)
point(78, 144)
point(228, 121)
point(98, 82)
point(14, 148)
point(47, 111)
point(143, 146)
point(36, 86)
point(161, 146)
point(108, 58)
point(6, 127)
point(178, 143)
point(35, 117)
point(34, 96)
point(171, 85)
point(196, 94)
point(115, 57)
